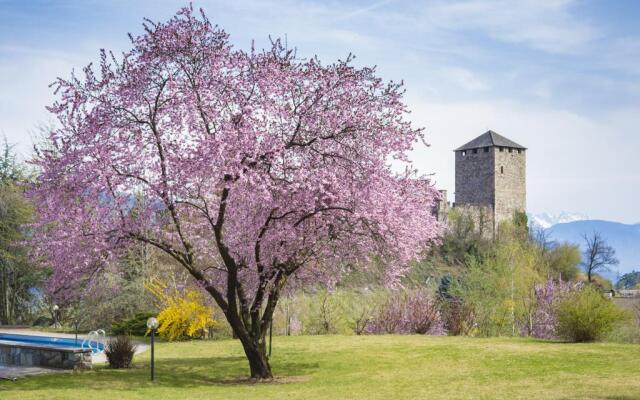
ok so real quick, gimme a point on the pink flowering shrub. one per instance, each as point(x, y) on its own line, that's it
point(548, 297)
point(390, 316)
point(414, 311)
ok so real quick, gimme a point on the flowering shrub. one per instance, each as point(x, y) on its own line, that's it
point(184, 314)
point(422, 314)
point(390, 317)
point(548, 297)
point(408, 312)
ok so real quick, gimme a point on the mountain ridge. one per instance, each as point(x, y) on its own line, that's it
point(624, 238)
point(546, 220)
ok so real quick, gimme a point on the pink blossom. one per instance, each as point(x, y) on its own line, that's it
point(249, 169)
point(548, 296)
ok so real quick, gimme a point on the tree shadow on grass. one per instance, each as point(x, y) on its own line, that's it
point(170, 373)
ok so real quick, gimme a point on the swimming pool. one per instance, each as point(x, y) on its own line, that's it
point(46, 351)
point(49, 341)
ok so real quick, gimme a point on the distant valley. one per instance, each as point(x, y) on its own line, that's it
point(625, 238)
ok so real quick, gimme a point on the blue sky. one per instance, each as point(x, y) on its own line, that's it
point(561, 77)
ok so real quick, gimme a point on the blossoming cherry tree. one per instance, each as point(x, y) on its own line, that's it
point(250, 169)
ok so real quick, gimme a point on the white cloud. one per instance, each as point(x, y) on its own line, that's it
point(465, 79)
point(542, 24)
point(25, 80)
point(621, 54)
point(366, 10)
point(542, 89)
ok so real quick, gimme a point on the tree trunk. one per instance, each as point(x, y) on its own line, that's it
point(258, 361)
point(254, 347)
point(5, 295)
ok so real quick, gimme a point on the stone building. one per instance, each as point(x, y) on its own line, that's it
point(491, 180)
point(441, 207)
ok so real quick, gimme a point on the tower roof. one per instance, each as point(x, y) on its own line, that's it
point(490, 139)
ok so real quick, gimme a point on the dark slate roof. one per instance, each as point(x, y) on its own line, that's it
point(490, 139)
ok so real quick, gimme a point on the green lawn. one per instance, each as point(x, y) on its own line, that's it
point(369, 367)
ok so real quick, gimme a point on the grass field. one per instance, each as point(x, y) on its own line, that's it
point(354, 367)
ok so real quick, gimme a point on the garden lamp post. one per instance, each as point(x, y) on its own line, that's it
point(76, 322)
point(55, 315)
point(152, 324)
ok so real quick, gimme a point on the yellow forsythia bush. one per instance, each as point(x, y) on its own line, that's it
point(184, 314)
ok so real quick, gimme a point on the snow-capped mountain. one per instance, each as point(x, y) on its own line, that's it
point(547, 220)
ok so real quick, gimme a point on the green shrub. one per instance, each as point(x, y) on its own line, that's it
point(587, 316)
point(323, 313)
point(119, 351)
point(320, 312)
point(136, 326)
point(360, 307)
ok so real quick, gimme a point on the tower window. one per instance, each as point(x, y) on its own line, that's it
point(519, 151)
point(486, 149)
point(475, 151)
point(510, 150)
point(501, 149)
point(501, 169)
point(464, 153)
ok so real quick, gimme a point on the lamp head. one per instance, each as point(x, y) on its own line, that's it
point(152, 323)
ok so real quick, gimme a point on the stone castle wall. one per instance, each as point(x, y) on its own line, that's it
point(475, 177)
point(482, 217)
point(441, 208)
point(510, 183)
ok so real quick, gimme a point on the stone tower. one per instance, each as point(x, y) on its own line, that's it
point(491, 179)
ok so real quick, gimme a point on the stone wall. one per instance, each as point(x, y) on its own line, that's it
point(510, 183)
point(475, 177)
point(441, 207)
point(46, 357)
point(482, 217)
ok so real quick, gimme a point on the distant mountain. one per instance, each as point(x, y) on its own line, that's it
point(546, 220)
point(624, 238)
